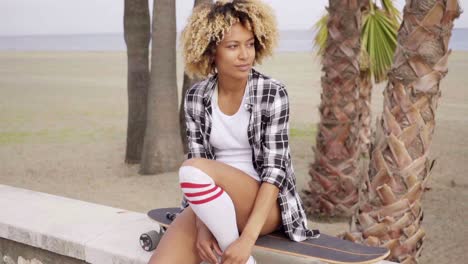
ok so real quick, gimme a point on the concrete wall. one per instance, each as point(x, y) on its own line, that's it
point(11, 251)
point(39, 228)
point(48, 227)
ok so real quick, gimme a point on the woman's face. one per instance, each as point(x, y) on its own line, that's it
point(235, 54)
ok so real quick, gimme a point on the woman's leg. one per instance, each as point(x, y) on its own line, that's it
point(178, 243)
point(211, 202)
point(241, 188)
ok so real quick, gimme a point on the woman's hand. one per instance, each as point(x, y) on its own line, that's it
point(206, 242)
point(238, 252)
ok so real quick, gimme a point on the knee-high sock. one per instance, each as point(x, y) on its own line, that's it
point(211, 204)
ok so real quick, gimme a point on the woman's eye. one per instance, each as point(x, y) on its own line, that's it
point(232, 46)
point(251, 44)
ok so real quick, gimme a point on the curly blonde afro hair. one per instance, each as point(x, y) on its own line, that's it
point(210, 22)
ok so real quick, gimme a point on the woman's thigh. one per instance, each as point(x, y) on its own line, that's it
point(241, 188)
point(178, 243)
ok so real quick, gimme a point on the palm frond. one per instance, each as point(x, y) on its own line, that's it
point(379, 41)
point(392, 11)
point(320, 39)
point(378, 37)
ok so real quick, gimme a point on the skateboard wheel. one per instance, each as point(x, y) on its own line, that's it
point(149, 240)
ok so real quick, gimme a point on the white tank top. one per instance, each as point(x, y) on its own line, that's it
point(229, 137)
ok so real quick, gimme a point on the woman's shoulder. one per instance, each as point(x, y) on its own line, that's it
point(198, 87)
point(198, 90)
point(267, 84)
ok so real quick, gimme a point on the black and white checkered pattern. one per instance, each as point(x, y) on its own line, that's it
point(268, 132)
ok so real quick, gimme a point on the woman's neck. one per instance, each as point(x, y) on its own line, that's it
point(229, 86)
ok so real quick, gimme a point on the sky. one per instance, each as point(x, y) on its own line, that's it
point(57, 17)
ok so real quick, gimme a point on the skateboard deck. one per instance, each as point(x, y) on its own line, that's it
point(325, 248)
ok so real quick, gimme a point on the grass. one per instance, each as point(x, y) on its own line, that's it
point(81, 135)
point(64, 135)
point(308, 132)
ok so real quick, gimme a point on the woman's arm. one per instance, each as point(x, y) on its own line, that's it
point(240, 250)
point(276, 155)
point(275, 147)
point(266, 199)
point(194, 134)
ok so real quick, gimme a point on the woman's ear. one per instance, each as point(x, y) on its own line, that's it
point(213, 65)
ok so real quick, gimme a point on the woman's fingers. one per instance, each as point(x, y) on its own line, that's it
point(206, 254)
point(211, 255)
point(202, 255)
point(217, 249)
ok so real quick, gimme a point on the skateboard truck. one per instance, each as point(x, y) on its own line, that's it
point(171, 216)
point(149, 240)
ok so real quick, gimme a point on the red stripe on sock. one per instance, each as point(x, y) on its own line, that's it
point(201, 193)
point(207, 199)
point(193, 185)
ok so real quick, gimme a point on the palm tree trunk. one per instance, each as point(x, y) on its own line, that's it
point(390, 212)
point(333, 187)
point(137, 37)
point(162, 149)
point(365, 95)
point(188, 82)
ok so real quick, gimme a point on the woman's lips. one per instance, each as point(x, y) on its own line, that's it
point(244, 67)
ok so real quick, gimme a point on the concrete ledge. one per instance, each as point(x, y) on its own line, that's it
point(80, 230)
point(55, 229)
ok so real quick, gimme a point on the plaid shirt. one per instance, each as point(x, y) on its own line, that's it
point(267, 101)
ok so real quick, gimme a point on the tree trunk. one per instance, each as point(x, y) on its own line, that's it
point(333, 187)
point(365, 95)
point(390, 214)
point(137, 37)
point(188, 82)
point(162, 149)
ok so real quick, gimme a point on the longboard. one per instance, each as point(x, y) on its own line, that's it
point(325, 248)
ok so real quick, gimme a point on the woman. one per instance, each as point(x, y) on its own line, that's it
point(238, 177)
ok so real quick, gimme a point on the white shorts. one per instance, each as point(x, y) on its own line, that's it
point(246, 167)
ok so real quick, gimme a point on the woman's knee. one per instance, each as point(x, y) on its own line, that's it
point(190, 172)
point(193, 162)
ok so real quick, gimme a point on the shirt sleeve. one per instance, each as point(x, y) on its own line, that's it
point(276, 140)
point(193, 109)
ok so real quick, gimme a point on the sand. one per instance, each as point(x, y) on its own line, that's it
point(63, 131)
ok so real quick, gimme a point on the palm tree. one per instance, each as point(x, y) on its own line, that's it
point(188, 82)
point(390, 211)
point(336, 154)
point(378, 41)
point(137, 37)
point(162, 149)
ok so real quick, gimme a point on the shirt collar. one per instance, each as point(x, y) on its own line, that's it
point(211, 84)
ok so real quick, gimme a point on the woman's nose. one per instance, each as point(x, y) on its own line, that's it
point(243, 53)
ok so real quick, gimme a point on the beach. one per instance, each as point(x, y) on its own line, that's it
point(63, 119)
